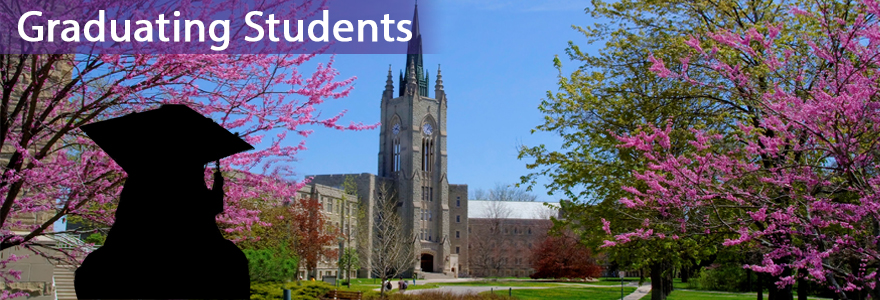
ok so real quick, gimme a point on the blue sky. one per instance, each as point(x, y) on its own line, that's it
point(496, 58)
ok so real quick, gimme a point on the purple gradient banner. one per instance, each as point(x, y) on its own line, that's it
point(208, 26)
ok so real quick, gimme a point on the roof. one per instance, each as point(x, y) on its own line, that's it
point(478, 209)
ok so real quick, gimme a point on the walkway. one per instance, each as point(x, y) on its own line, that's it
point(639, 293)
point(463, 290)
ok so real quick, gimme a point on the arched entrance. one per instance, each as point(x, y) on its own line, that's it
point(427, 262)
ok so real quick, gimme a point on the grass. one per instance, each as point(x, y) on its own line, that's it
point(615, 281)
point(690, 285)
point(369, 284)
point(437, 295)
point(700, 295)
point(568, 293)
point(503, 283)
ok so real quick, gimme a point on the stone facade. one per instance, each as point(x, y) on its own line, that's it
point(458, 232)
point(37, 271)
point(341, 212)
point(37, 277)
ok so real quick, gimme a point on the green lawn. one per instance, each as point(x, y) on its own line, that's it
point(370, 284)
point(615, 281)
point(504, 283)
point(695, 295)
point(699, 295)
point(690, 285)
point(536, 283)
point(568, 293)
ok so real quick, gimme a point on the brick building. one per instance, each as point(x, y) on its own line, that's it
point(502, 235)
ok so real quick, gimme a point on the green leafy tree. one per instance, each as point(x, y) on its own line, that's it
point(613, 92)
point(95, 238)
point(350, 260)
point(272, 264)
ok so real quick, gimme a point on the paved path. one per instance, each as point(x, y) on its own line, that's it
point(464, 290)
point(639, 293)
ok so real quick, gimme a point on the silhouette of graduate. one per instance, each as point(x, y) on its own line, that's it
point(165, 243)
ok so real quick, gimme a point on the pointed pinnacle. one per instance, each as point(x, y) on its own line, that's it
point(439, 83)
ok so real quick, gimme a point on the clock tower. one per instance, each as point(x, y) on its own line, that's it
point(412, 154)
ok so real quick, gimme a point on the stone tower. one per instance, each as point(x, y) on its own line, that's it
point(412, 159)
point(413, 154)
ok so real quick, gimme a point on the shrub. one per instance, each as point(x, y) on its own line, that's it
point(726, 277)
point(272, 264)
point(274, 290)
point(563, 257)
point(95, 238)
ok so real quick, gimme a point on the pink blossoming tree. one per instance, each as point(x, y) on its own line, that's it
point(797, 178)
point(48, 167)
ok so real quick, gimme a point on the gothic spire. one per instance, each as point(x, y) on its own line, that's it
point(414, 56)
point(412, 86)
point(389, 83)
point(438, 85)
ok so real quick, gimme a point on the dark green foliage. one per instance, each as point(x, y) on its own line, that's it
point(95, 238)
point(275, 290)
point(727, 277)
point(271, 264)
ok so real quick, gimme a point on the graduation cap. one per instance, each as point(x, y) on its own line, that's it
point(165, 137)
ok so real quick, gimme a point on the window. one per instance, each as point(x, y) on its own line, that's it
point(396, 150)
point(330, 205)
point(457, 234)
point(427, 153)
point(530, 230)
point(457, 250)
point(458, 202)
point(430, 216)
point(457, 219)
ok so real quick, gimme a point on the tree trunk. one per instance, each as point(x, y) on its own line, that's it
point(641, 276)
point(661, 282)
point(657, 282)
point(668, 276)
point(803, 285)
point(748, 280)
point(685, 274)
point(775, 293)
point(760, 284)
